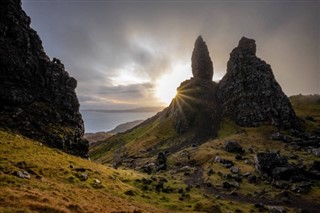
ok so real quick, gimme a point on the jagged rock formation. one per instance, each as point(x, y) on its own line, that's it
point(37, 95)
point(201, 63)
point(195, 108)
point(249, 93)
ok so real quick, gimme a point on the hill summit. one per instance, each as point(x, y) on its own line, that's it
point(37, 95)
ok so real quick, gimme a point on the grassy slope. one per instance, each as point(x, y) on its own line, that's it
point(307, 105)
point(256, 138)
point(55, 187)
point(135, 141)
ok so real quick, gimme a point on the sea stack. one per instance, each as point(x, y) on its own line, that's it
point(249, 93)
point(37, 94)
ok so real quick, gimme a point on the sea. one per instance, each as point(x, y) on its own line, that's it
point(105, 121)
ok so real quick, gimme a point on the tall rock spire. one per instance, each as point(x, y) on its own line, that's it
point(201, 63)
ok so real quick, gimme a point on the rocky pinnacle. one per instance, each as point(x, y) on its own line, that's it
point(201, 63)
point(249, 93)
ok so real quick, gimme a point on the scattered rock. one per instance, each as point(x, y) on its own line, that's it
point(280, 137)
point(226, 163)
point(185, 169)
point(217, 159)
point(228, 185)
point(280, 185)
point(276, 209)
point(22, 174)
point(130, 193)
point(161, 162)
point(82, 176)
point(233, 147)
point(234, 170)
point(316, 152)
point(149, 168)
point(252, 179)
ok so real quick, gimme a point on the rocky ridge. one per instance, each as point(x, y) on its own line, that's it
point(38, 96)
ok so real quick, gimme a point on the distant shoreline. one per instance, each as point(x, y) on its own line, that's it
point(135, 110)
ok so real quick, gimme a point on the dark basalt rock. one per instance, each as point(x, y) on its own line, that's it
point(37, 95)
point(196, 109)
point(249, 93)
point(233, 147)
point(276, 166)
point(201, 63)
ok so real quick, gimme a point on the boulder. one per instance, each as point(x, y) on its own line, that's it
point(23, 174)
point(234, 170)
point(161, 161)
point(276, 166)
point(234, 147)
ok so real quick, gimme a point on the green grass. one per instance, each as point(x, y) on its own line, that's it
point(56, 184)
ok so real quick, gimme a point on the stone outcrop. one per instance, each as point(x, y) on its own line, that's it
point(37, 95)
point(195, 109)
point(249, 93)
point(276, 166)
point(201, 63)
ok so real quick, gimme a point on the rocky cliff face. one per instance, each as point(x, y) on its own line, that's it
point(249, 93)
point(195, 108)
point(37, 95)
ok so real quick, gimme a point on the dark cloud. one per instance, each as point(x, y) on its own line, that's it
point(97, 40)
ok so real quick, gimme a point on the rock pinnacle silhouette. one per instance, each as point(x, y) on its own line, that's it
point(201, 63)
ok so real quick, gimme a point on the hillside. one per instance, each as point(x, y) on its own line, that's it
point(207, 168)
point(125, 126)
point(34, 178)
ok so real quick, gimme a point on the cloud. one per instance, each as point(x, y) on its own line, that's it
point(118, 50)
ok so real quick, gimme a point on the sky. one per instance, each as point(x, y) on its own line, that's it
point(128, 54)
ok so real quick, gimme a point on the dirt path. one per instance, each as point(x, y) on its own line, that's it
point(294, 202)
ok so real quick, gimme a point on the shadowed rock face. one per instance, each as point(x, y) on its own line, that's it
point(249, 93)
point(201, 63)
point(37, 95)
point(195, 108)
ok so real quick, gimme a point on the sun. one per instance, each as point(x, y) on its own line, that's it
point(165, 90)
point(166, 86)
